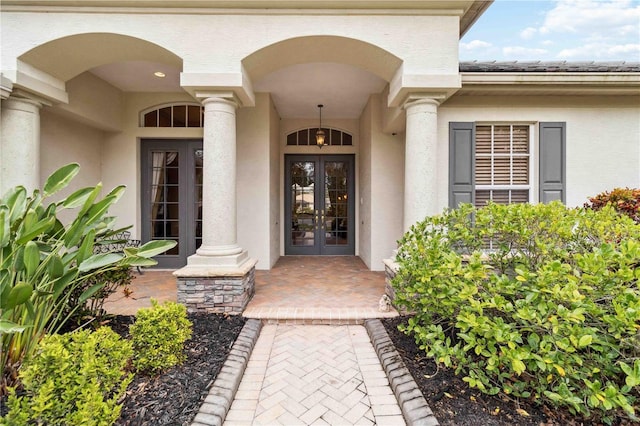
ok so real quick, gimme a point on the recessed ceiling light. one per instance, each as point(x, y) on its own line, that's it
point(159, 74)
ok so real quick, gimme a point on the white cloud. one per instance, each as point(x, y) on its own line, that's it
point(520, 52)
point(548, 42)
point(600, 51)
point(475, 45)
point(605, 18)
point(528, 33)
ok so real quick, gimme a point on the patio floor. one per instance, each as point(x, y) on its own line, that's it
point(298, 289)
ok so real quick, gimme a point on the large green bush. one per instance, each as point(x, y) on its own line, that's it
point(73, 379)
point(158, 336)
point(536, 301)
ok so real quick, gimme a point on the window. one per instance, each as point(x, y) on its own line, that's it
point(497, 162)
point(502, 166)
point(308, 137)
point(174, 115)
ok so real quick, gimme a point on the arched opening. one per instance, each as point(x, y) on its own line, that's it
point(67, 57)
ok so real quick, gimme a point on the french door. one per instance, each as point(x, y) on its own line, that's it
point(319, 205)
point(171, 183)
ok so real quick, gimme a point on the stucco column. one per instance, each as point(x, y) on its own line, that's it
point(219, 200)
point(420, 184)
point(20, 143)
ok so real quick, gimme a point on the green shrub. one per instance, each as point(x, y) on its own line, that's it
point(73, 379)
point(624, 200)
point(539, 302)
point(158, 336)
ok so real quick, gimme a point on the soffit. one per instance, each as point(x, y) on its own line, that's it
point(528, 83)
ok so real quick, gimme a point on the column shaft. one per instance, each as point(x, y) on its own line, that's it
point(420, 177)
point(219, 209)
point(19, 144)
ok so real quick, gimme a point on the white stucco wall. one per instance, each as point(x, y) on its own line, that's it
point(64, 141)
point(603, 136)
point(94, 102)
point(364, 177)
point(253, 178)
point(274, 181)
point(387, 189)
point(234, 36)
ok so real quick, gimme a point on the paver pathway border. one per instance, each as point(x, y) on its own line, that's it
point(222, 393)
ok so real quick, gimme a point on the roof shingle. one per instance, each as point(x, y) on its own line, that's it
point(551, 66)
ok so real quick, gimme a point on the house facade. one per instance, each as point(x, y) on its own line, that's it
point(209, 112)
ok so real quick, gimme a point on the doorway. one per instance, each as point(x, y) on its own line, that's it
point(319, 205)
point(171, 183)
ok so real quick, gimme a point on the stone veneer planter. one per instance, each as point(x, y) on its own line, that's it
point(216, 290)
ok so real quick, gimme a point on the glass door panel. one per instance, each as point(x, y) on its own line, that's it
point(319, 208)
point(172, 197)
point(336, 210)
point(198, 159)
point(303, 208)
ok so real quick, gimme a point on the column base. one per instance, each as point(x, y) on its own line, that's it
point(217, 284)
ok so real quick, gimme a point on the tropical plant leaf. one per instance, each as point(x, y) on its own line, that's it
point(5, 230)
point(88, 293)
point(60, 178)
point(8, 327)
point(31, 257)
point(28, 233)
point(16, 200)
point(153, 248)
point(77, 199)
point(18, 295)
point(140, 261)
point(98, 261)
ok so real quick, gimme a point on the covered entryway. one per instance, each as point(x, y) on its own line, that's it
point(172, 197)
point(319, 205)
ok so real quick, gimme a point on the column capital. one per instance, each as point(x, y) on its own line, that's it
point(24, 101)
point(414, 99)
point(228, 98)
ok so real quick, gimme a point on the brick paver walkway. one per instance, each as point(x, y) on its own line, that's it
point(314, 375)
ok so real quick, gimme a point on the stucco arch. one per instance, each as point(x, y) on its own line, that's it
point(300, 50)
point(67, 57)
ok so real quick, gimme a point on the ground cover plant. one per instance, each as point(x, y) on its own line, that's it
point(540, 303)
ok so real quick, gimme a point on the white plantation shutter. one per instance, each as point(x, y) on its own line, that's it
point(502, 164)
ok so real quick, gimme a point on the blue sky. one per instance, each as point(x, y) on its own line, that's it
point(554, 30)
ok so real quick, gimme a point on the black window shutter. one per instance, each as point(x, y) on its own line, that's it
point(553, 162)
point(461, 163)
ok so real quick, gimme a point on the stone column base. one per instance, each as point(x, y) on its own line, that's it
point(216, 289)
point(390, 268)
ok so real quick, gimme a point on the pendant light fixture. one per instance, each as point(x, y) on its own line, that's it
point(320, 133)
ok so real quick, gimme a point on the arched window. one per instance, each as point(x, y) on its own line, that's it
point(173, 115)
point(308, 137)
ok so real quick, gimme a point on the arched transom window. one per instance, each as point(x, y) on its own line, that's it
point(173, 115)
point(308, 137)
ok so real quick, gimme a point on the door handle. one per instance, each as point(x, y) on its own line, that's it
point(315, 220)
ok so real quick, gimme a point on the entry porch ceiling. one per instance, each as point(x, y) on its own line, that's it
point(296, 90)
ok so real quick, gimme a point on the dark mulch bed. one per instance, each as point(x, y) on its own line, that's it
point(174, 397)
